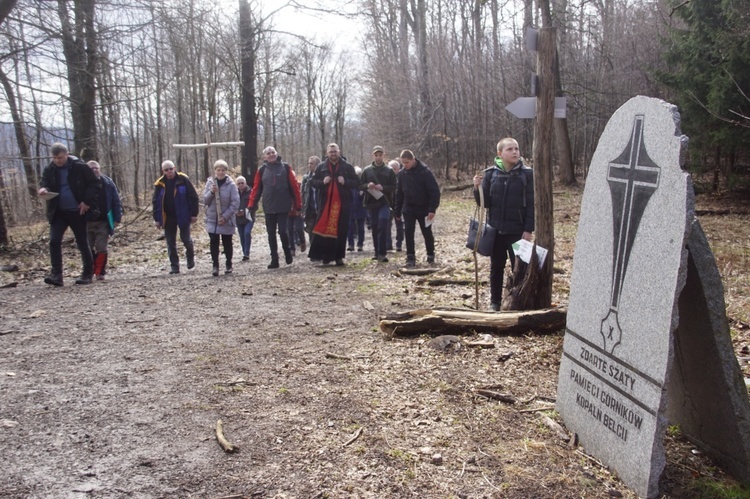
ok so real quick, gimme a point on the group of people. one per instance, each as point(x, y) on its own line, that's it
point(403, 191)
point(83, 199)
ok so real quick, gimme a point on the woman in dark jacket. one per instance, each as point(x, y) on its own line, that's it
point(508, 188)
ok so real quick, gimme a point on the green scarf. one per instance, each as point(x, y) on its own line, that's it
point(499, 163)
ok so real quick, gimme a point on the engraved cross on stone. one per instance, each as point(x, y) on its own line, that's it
point(633, 177)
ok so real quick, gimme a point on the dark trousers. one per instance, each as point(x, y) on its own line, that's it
point(274, 222)
point(399, 233)
point(170, 234)
point(295, 230)
point(57, 227)
point(226, 242)
point(502, 251)
point(410, 225)
point(380, 224)
point(356, 229)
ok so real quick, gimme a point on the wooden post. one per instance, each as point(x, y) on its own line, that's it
point(542, 155)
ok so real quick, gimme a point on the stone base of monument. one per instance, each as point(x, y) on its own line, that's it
point(707, 396)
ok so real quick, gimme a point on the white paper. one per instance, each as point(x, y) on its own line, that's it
point(427, 221)
point(48, 195)
point(375, 193)
point(522, 249)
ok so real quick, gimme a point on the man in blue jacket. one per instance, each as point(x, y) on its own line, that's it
point(417, 200)
point(99, 229)
point(71, 190)
point(175, 205)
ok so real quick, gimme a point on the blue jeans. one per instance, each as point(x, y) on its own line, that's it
point(380, 224)
point(246, 236)
point(77, 223)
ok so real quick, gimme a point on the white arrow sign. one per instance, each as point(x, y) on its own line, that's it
point(525, 107)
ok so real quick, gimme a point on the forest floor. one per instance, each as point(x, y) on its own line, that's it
point(115, 389)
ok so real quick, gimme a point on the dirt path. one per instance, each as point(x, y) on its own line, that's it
point(114, 389)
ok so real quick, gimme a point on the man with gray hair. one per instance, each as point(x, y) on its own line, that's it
point(99, 229)
point(276, 184)
point(175, 204)
point(71, 190)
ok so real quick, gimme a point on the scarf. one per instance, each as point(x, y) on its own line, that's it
point(328, 224)
point(499, 163)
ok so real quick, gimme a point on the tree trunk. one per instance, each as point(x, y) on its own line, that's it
point(79, 40)
point(543, 177)
point(249, 114)
point(21, 140)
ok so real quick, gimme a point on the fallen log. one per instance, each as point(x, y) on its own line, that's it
point(447, 282)
point(460, 187)
point(461, 321)
point(410, 271)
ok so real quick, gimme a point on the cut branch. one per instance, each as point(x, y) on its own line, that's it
point(355, 437)
point(223, 442)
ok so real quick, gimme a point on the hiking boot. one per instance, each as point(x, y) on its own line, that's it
point(398, 248)
point(215, 271)
point(340, 262)
point(375, 258)
point(495, 307)
point(359, 248)
point(383, 259)
point(228, 269)
point(430, 258)
point(174, 270)
point(274, 264)
point(350, 248)
point(245, 258)
point(411, 261)
point(303, 247)
point(54, 280)
point(84, 279)
point(289, 258)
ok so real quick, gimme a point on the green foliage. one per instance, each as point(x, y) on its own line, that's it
point(708, 488)
point(708, 61)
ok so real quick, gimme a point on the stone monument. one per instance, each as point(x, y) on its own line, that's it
point(644, 288)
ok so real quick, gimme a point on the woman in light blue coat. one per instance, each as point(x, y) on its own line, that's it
point(220, 216)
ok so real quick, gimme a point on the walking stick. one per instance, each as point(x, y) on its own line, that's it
point(480, 220)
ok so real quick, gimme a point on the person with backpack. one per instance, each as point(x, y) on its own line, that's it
point(508, 189)
point(276, 183)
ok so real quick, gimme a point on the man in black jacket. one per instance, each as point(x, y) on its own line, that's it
point(417, 200)
point(75, 190)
